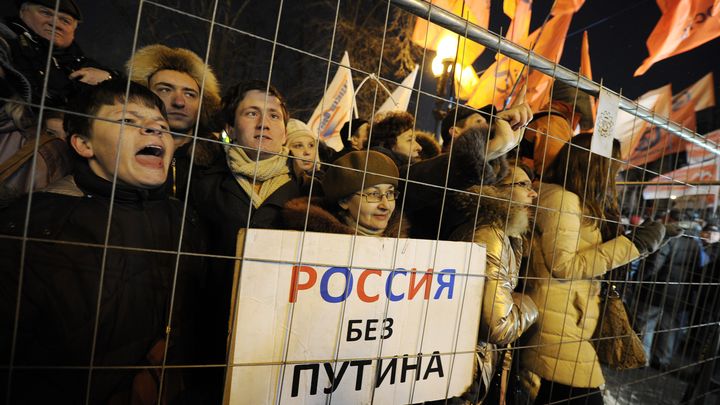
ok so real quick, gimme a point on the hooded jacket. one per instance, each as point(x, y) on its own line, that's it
point(64, 263)
point(567, 257)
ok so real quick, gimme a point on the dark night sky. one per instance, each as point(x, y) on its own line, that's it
point(617, 32)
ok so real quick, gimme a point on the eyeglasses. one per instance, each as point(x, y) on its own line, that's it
point(525, 184)
point(376, 197)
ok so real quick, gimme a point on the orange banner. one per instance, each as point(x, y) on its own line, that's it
point(497, 81)
point(430, 36)
point(684, 25)
point(655, 142)
point(566, 6)
point(696, 154)
point(705, 171)
point(629, 129)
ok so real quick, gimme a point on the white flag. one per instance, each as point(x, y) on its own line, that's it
point(336, 107)
point(400, 98)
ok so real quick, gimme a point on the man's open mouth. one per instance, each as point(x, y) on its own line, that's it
point(152, 150)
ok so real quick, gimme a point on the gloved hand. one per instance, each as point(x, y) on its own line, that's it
point(648, 236)
point(672, 231)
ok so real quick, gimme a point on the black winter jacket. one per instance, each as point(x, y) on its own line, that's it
point(66, 269)
point(29, 56)
point(432, 185)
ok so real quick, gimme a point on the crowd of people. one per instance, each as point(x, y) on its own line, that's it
point(116, 272)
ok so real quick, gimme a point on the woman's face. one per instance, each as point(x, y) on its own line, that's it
point(519, 186)
point(407, 146)
point(373, 207)
point(303, 148)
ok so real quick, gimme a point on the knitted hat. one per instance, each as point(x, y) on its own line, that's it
point(390, 125)
point(66, 6)
point(149, 60)
point(355, 123)
point(296, 129)
point(340, 182)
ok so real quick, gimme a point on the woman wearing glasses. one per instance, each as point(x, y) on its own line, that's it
point(360, 195)
point(498, 216)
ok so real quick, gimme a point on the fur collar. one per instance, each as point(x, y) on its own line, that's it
point(493, 209)
point(320, 219)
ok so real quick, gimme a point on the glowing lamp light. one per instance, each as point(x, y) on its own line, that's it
point(465, 81)
point(672, 197)
point(446, 51)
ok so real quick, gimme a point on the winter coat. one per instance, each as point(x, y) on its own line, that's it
point(53, 160)
point(321, 218)
point(64, 263)
point(29, 55)
point(505, 314)
point(224, 209)
point(431, 184)
point(207, 153)
point(566, 258)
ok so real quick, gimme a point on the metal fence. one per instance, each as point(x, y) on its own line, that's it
point(101, 275)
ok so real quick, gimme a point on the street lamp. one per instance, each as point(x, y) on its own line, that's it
point(444, 66)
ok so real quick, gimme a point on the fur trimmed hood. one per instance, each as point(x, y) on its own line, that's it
point(492, 210)
point(430, 146)
point(149, 60)
point(320, 219)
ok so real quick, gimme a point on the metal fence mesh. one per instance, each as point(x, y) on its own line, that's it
point(297, 46)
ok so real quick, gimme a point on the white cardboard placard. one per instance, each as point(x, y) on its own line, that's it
point(604, 131)
point(289, 342)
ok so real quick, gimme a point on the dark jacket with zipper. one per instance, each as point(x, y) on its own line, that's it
point(66, 269)
point(29, 56)
point(224, 209)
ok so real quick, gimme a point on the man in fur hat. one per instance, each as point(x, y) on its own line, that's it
point(177, 76)
point(35, 27)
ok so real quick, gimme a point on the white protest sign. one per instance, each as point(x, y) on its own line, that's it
point(335, 318)
point(604, 131)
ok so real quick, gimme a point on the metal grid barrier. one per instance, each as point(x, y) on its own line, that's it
point(673, 311)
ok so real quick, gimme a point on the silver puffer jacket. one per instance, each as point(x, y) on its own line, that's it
point(505, 314)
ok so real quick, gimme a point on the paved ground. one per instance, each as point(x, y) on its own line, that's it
point(650, 386)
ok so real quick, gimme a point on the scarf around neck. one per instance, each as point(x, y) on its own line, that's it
point(270, 173)
point(361, 230)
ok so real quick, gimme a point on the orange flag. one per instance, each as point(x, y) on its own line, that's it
point(497, 81)
point(586, 69)
point(431, 36)
point(656, 143)
point(684, 25)
point(519, 12)
point(701, 94)
point(566, 6)
point(629, 129)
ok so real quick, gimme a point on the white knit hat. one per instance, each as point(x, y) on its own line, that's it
point(296, 129)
